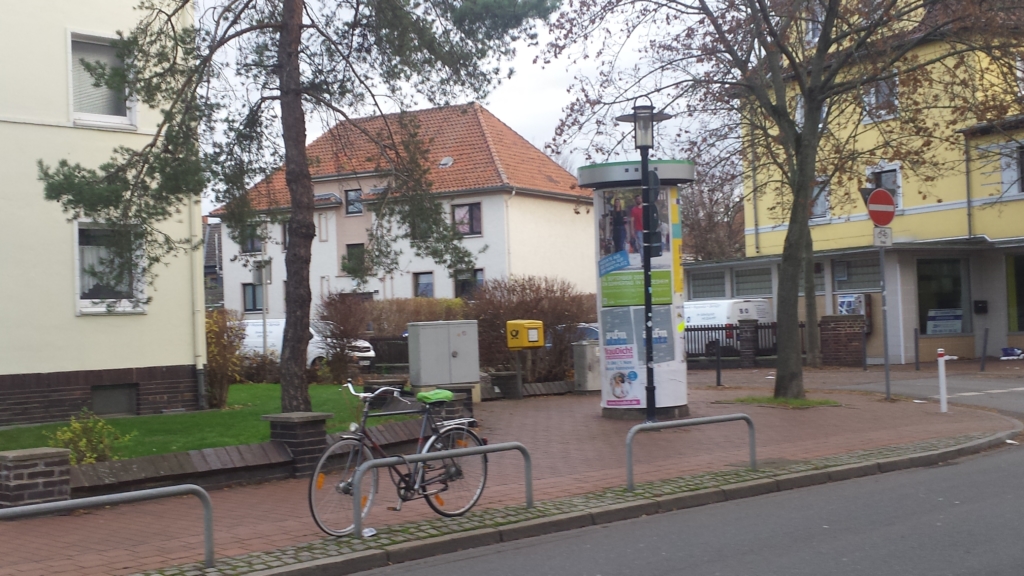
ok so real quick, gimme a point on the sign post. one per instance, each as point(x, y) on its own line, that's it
point(882, 209)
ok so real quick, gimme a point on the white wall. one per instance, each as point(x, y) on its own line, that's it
point(42, 330)
point(549, 237)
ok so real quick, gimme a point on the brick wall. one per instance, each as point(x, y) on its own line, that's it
point(842, 340)
point(34, 476)
point(48, 397)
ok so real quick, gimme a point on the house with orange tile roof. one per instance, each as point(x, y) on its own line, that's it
point(519, 212)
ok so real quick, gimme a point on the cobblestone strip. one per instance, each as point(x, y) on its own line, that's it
point(497, 517)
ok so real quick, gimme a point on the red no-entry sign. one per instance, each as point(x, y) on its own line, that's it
point(881, 207)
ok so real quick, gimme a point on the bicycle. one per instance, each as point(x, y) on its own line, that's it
point(451, 486)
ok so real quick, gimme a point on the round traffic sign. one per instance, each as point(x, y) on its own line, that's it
point(881, 207)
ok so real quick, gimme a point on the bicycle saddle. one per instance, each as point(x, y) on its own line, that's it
point(437, 395)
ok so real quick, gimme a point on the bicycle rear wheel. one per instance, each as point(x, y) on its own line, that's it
point(454, 485)
point(330, 490)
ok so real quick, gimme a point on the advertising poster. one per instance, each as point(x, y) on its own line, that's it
point(621, 297)
point(945, 321)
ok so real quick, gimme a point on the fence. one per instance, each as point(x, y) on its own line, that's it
point(124, 498)
point(702, 341)
point(682, 423)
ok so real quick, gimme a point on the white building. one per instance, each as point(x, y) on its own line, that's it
point(60, 349)
point(520, 212)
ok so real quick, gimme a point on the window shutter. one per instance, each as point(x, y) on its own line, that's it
point(90, 99)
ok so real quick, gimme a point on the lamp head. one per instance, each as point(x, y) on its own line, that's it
point(643, 119)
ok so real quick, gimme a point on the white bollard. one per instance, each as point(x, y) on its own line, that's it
point(942, 378)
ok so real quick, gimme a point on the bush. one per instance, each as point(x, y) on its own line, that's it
point(224, 336)
point(89, 438)
point(343, 318)
point(389, 317)
point(555, 302)
point(259, 368)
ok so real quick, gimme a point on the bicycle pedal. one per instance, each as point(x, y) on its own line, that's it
point(395, 508)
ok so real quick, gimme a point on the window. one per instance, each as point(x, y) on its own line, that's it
point(881, 101)
point(251, 241)
point(261, 267)
point(284, 236)
point(800, 114)
point(354, 262)
point(887, 175)
point(819, 279)
point(819, 201)
point(252, 296)
point(856, 274)
point(102, 273)
point(467, 219)
point(93, 103)
point(942, 296)
point(423, 284)
point(707, 285)
point(1011, 160)
point(353, 202)
point(752, 282)
point(467, 282)
point(812, 24)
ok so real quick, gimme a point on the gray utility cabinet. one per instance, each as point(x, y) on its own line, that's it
point(442, 353)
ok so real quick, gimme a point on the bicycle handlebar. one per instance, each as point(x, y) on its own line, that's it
point(396, 392)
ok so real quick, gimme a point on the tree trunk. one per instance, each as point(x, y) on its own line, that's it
point(811, 332)
point(789, 381)
point(294, 391)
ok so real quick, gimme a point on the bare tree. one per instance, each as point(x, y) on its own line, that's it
point(806, 92)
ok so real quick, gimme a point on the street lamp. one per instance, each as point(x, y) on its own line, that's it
point(643, 119)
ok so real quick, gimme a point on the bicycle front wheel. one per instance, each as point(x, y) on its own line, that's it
point(331, 498)
point(453, 485)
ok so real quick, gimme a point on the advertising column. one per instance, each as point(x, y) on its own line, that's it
point(617, 208)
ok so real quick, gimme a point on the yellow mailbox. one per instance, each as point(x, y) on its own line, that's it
point(521, 334)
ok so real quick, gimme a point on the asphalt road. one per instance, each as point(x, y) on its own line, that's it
point(963, 517)
point(1004, 394)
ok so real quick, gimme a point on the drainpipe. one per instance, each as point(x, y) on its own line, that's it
point(967, 172)
point(508, 242)
point(198, 300)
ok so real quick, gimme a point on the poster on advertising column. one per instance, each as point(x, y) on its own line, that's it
point(619, 220)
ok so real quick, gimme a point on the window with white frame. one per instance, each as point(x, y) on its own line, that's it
point(92, 103)
point(707, 284)
point(819, 201)
point(107, 278)
point(252, 297)
point(752, 282)
point(887, 175)
point(881, 100)
point(812, 23)
point(1011, 161)
point(423, 285)
point(860, 274)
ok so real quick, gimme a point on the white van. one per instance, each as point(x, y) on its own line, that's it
point(359, 350)
point(727, 312)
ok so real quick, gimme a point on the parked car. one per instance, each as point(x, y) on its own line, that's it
point(360, 351)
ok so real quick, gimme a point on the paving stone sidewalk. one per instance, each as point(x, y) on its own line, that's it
point(496, 517)
point(579, 462)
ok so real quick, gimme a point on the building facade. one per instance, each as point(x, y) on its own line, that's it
point(518, 211)
point(62, 348)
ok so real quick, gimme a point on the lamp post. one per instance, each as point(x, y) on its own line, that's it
point(643, 119)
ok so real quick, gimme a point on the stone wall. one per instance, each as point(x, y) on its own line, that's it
point(53, 396)
point(34, 476)
point(842, 340)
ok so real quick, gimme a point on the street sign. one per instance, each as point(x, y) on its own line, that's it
point(883, 236)
point(881, 207)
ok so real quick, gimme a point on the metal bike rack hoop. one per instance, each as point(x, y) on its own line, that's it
point(357, 516)
point(679, 424)
point(124, 498)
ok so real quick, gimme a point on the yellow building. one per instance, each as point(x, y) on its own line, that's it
point(61, 348)
point(955, 270)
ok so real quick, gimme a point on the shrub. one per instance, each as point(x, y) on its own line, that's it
point(343, 318)
point(389, 317)
point(261, 368)
point(224, 336)
point(555, 302)
point(89, 438)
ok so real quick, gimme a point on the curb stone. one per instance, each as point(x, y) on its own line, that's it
point(417, 549)
point(336, 566)
point(343, 556)
point(549, 525)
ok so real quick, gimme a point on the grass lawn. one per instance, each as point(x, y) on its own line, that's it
point(238, 424)
point(785, 402)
